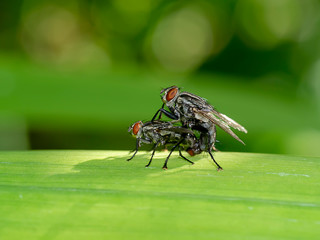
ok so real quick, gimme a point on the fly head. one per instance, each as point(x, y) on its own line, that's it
point(169, 95)
point(136, 129)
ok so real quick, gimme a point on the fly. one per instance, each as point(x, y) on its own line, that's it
point(162, 133)
point(196, 113)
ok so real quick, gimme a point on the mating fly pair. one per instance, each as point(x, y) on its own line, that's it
point(195, 114)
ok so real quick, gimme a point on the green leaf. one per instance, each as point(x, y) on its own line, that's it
point(98, 194)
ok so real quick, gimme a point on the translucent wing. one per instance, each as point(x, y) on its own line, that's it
point(168, 126)
point(222, 121)
point(205, 112)
point(230, 121)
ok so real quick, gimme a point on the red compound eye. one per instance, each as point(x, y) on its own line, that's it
point(171, 94)
point(136, 128)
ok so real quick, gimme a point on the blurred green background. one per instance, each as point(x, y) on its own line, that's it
point(76, 74)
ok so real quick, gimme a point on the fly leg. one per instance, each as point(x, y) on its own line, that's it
point(219, 167)
point(212, 134)
point(184, 156)
point(173, 148)
point(160, 115)
point(154, 149)
point(136, 150)
point(165, 112)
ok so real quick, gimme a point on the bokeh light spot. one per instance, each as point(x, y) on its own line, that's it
point(182, 40)
point(52, 34)
point(267, 23)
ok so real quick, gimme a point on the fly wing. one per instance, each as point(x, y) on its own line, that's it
point(206, 112)
point(222, 121)
point(168, 126)
point(230, 121)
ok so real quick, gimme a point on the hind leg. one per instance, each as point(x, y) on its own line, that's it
point(219, 167)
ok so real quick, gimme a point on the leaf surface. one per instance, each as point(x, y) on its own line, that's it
point(98, 194)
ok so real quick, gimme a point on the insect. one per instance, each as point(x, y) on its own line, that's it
point(162, 133)
point(196, 113)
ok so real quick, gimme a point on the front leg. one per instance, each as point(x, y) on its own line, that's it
point(136, 150)
point(165, 112)
point(160, 115)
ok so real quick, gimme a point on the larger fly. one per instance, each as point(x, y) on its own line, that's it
point(161, 133)
point(196, 113)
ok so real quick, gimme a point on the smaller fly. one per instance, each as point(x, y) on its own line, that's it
point(162, 133)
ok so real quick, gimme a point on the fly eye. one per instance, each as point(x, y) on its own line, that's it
point(171, 94)
point(136, 128)
point(190, 151)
